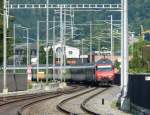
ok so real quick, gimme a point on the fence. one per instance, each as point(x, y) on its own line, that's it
point(139, 90)
point(14, 83)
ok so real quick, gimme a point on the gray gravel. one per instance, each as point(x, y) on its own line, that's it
point(74, 104)
point(109, 96)
point(49, 107)
point(12, 108)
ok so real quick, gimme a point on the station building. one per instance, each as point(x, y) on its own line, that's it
point(72, 54)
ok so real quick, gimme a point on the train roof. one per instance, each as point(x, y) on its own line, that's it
point(104, 61)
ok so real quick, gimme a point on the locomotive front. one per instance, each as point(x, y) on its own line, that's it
point(104, 72)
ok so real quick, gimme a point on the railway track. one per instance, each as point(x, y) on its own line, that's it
point(83, 107)
point(40, 99)
point(20, 111)
point(26, 109)
point(14, 105)
point(60, 105)
point(13, 99)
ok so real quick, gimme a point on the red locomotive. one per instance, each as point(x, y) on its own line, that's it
point(104, 72)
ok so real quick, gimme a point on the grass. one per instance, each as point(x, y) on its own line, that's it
point(29, 86)
point(115, 104)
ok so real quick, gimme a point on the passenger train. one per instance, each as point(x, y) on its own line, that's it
point(102, 73)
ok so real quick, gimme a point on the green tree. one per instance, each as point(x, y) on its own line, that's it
point(9, 34)
point(137, 64)
point(43, 56)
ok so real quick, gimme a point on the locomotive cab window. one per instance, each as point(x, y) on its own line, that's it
point(104, 68)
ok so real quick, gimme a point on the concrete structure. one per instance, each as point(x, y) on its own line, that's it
point(15, 83)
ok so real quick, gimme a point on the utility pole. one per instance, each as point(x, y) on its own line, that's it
point(7, 2)
point(64, 42)
point(132, 43)
point(112, 47)
point(90, 42)
point(99, 46)
point(38, 38)
point(124, 65)
point(14, 50)
point(122, 44)
point(54, 48)
point(28, 62)
point(47, 37)
point(82, 49)
point(72, 23)
point(61, 41)
point(27, 41)
point(5, 18)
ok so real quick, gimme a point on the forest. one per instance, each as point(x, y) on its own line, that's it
point(139, 14)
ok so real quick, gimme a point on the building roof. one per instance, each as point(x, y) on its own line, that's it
point(24, 45)
point(66, 46)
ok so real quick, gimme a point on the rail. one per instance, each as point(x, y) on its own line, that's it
point(74, 89)
point(60, 105)
point(84, 107)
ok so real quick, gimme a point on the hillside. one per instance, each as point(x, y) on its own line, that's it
point(139, 11)
point(139, 14)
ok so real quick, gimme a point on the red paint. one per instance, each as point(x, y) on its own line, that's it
point(104, 72)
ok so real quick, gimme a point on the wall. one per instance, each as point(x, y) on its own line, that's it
point(139, 90)
point(17, 83)
point(75, 52)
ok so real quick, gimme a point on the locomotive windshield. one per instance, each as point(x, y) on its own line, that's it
point(104, 68)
